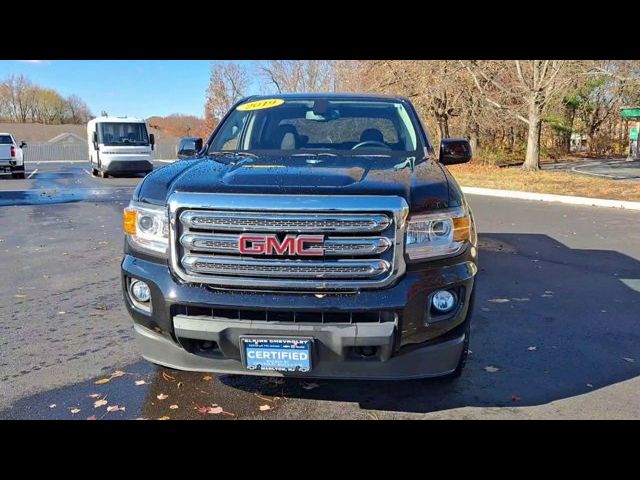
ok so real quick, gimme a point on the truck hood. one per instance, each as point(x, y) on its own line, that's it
point(422, 183)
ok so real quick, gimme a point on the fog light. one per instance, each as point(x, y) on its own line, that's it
point(443, 301)
point(140, 291)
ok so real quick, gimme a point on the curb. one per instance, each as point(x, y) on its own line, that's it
point(550, 197)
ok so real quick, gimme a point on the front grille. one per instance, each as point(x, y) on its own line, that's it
point(285, 316)
point(257, 222)
point(361, 243)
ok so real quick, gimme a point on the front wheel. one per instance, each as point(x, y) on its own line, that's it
point(463, 356)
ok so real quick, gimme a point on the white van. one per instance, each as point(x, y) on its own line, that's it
point(119, 145)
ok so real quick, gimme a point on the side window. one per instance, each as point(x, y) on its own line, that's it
point(227, 138)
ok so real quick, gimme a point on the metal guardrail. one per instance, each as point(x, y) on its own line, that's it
point(42, 152)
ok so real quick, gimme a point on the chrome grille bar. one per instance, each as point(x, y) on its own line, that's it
point(291, 268)
point(333, 246)
point(285, 222)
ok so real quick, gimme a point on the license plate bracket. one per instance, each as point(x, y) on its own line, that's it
point(280, 354)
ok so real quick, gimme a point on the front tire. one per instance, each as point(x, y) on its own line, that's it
point(457, 373)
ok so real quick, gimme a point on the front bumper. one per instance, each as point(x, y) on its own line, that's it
point(413, 344)
point(129, 166)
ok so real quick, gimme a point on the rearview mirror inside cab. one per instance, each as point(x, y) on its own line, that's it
point(454, 150)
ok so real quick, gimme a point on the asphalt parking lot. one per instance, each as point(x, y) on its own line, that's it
point(555, 331)
point(613, 168)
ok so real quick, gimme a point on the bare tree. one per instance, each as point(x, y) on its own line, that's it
point(524, 89)
point(290, 76)
point(228, 84)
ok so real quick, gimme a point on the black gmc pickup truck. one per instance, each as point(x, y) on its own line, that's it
point(312, 235)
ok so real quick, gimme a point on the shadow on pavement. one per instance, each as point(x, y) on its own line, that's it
point(554, 322)
point(552, 319)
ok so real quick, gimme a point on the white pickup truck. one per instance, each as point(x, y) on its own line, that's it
point(11, 158)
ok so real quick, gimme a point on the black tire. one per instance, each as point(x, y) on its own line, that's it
point(463, 356)
point(94, 172)
point(17, 175)
point(103, 174)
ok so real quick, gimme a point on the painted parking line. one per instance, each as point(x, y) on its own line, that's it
point(57, 161)
point(87, 172)
point(32, 173)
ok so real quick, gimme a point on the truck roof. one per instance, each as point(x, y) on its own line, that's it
point(6, 133)
point(117, 120)
point(328, 95)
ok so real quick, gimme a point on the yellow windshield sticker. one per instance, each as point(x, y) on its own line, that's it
point(260, 104)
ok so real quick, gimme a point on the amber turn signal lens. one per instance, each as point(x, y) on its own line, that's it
point(461, 229)
point(129, 218)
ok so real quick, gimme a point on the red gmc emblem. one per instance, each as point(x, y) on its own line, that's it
point(249, 244)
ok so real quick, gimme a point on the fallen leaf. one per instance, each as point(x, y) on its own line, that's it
point(102, 381)
point(515, 398)
point(373, 416)
point(140, 382)
point(75, 410)
point(53, 405)
point(520, 299)
point(99, 403)
point(179, 384)
point(168, 377)
point(61, 313)
point(115, 408)
point(499, 300)
point(92, 417)
point(117, 374)
point(162, 396)
point(20, 296)
point(310, 386)
point(491, 369)
point(589, 385)
point(173, 407)
point(94, 395)
point(532, 348)
point(164, 418)
point(207, 378)
point(627, 359)
point(215, 410)
point(264, 408)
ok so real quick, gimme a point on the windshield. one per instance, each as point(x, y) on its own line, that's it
point(122, 134)
point(319, 125)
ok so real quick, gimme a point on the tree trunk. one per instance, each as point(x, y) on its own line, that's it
point(443, 124)
point(532, 158)
point(474, 136)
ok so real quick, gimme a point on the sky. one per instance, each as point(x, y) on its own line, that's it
point(138, 88)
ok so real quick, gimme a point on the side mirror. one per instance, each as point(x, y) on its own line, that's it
point(152, 140)
point(188, 147)
point(454, 151)
point(23, 144)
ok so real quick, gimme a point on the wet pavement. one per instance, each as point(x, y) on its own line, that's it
point(554, 335)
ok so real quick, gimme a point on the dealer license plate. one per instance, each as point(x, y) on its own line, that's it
point(279, 354)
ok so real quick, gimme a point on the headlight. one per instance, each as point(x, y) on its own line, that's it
point(147, 228)
point(439, 234)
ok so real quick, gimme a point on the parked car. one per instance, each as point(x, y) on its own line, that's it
point(313, 235)
point(11, 156)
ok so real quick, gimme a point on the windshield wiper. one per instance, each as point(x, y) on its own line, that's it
point(235, 153)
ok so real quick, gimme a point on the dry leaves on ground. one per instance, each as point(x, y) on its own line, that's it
point(265, 408)
point(162, 396)
point(99, 403)
point(491, 369)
